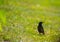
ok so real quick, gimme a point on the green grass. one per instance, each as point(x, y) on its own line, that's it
point(19, 20)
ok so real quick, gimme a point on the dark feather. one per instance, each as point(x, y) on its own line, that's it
point(40, 28)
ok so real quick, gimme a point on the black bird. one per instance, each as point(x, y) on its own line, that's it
point(40, 28)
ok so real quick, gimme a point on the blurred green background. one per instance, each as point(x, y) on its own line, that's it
point(19, 20)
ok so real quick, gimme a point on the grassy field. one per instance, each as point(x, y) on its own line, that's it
point(19, 20)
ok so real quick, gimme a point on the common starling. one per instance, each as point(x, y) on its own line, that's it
point(40, 28)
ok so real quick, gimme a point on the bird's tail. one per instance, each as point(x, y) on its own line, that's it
point(43, 33)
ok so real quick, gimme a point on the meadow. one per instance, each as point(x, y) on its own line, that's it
point(19, 20)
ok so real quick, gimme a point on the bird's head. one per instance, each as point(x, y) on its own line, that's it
point(40, 23)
